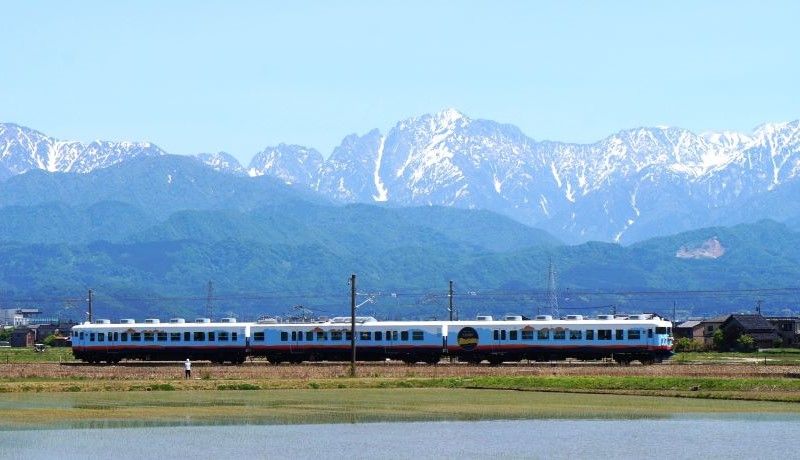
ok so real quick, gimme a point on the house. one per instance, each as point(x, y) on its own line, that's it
point(788, 328)
point(756, 326)
point(691, 329)
point(703, 330)
point(23, 336)
point(28, 335)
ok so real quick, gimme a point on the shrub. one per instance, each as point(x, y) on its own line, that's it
point(746, 343)
point(685, 344)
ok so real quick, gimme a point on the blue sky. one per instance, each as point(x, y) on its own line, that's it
point(239, 76)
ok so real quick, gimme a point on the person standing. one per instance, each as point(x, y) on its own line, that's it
point(187, 368)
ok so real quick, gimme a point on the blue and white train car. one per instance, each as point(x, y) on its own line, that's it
point(103, 341)
point(645, 338)
point(409, 341)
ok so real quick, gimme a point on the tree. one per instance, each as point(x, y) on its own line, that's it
point(719, 340)
point(746, 343)
point(5, 333)
point(49, 340)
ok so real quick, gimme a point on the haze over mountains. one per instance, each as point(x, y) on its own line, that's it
point(136, 223)
point(630, 186)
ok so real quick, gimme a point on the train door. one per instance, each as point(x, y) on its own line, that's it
point(389, 343)
point(296, 346)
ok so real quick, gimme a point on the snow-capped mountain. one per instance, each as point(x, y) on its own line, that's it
point(222, 162)
point(293, 164)
point(632, 185)
point(23, 149)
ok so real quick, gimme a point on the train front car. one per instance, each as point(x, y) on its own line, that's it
point(644, 338)
point(330, 341)
point(103, 341)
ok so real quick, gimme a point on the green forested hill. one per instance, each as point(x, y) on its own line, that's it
point(148, 249)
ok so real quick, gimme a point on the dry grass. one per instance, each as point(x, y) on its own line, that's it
point(259, 370)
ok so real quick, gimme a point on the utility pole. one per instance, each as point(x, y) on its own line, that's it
point(552, 293)
point(674, 305)
point(90, 305)
point(450, 295)
point(758, 306)
point(210, 301)
point(353, 325)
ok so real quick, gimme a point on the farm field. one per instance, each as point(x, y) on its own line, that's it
point(348, 405)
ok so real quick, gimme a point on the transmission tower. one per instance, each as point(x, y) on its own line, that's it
point(552, 290)
point(210, 301)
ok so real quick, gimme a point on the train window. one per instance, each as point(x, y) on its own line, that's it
point(620, 334)
point(543, 334)
point(403, 335)
point(187, 336)
point(503, 334)
point(590, 334)
point(348, 336)
point(116, 336)
point(258, 336)
point(388, 335)
point(336, 335)
point(234, 336)
point(661, 330)
point(634, 334)
point(604, 334)
point(149, 336)
point(496, 334)
point(321, 335)
point(416, 335)
point(136, 337)
point(294, 336)
point(527, 335)
point(199, 336)
point(378, 335)
point(223, 336)
point(101, 336)
point(669, 330)
point(81, 336)
point(284, 336)
point(559, 334)
point(575, 335)
point(650, 333)
point(162, 337)
point(299, 336)
point(91, 336)
point(512, 335)
point(175, 336)
point(123, 337)
point(211, 336)
point(365, 335)
point(309, 336)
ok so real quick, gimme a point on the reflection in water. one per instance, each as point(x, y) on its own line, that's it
point(704, 437)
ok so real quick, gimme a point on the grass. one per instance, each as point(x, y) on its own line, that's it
point(28, 355)
point(771, 356)
point(346, 405)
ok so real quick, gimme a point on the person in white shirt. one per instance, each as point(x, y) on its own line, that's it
point(187, 367)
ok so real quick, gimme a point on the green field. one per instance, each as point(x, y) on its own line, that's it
point(346, 406)
point(773, 356)
point(28, 355)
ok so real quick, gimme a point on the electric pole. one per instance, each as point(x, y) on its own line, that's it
point(353, 325)
point(450, 295)
point(210, 300)
point(90, 305)
point(552, 293)
point(758, 306)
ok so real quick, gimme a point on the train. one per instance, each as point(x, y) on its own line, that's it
point(646, 338)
